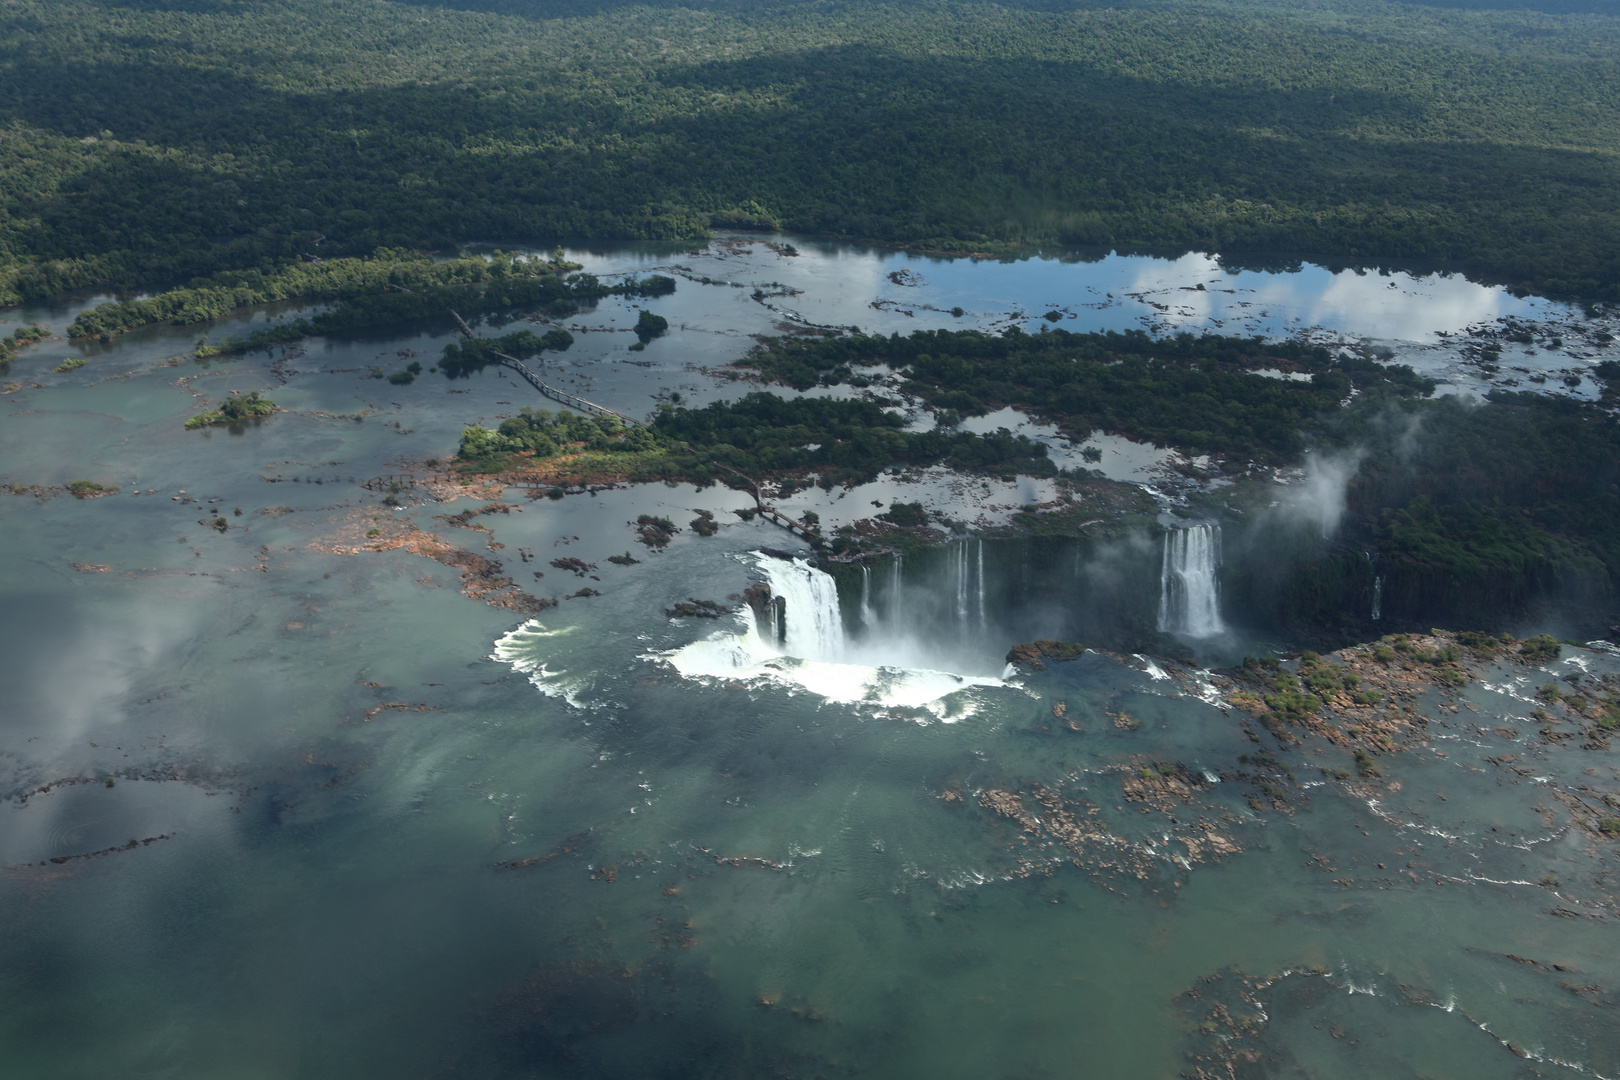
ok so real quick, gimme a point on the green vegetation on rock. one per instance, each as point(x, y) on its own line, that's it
point(384, 271)
point(389, 287)
point(234, 410)
point(1034, 654)
point(649, 326)
point(473, 354)
point(22, 335)
point(546, 434)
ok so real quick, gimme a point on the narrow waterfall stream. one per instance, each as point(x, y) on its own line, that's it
point(1189, 589)
point(983, 620)
point(967, 576)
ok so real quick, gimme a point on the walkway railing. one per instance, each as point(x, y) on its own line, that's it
point(552, 392)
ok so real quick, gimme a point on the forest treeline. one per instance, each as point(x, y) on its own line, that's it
point(146, 142)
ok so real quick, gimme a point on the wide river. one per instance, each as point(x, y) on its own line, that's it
point(276, 808)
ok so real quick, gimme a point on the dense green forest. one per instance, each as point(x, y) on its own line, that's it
point(1196, 393)
point(148, 141)
point(761, 436)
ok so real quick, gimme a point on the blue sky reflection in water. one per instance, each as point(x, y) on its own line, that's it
point(276, 811)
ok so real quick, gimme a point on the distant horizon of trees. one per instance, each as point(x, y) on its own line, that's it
point(148, 144)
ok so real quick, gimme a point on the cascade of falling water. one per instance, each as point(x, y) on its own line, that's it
point(959, 558)
point(896, 593)
point(1378, 598)
point(981, 585)
point(1189, 591)
point(815, 628)
point(868, 616)
point(811, 651)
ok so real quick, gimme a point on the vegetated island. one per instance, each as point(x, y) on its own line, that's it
point(22, 335)
point(1129, 384)
point(388, 287)
point(237, 409)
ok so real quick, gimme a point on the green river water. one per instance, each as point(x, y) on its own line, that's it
point(275, 812)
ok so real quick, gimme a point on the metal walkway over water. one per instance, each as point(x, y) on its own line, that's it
point(564, 397)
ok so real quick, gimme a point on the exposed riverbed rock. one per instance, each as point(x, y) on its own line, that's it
point(1365, 698)
point(481, 578)
point(693, 608)
point(1033, 654)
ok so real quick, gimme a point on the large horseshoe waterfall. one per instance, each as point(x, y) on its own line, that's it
point(1189, 590)
point(960, 607)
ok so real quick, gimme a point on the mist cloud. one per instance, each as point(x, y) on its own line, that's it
point(1319, 501)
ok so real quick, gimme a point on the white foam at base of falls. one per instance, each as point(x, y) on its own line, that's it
point(815, 655)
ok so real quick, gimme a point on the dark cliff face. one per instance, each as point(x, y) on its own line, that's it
point(1282, 585)
point(1326, 592)
point(1494, 515)
point(1104, 593)
point(1328, 597)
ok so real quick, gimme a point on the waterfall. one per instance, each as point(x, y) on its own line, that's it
point(896, 593)
point(966, 569)
point(1189, 592)
point(807, 648)
point(959, 560)
point(1378, 598)
point(868, 616)
point(814, 628)
point(981, 585)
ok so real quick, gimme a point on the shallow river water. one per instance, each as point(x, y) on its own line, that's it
point(275, 810)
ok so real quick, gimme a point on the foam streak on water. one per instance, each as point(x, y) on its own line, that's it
point(523, 649)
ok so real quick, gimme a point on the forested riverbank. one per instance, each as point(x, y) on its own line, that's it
point(153, 143)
